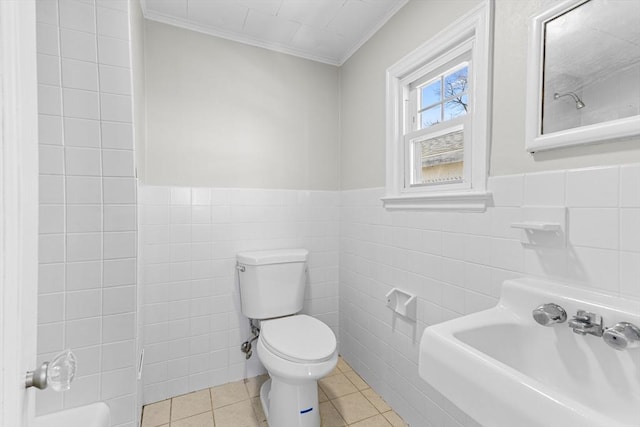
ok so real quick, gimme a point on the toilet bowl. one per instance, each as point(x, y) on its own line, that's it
point(295, 349)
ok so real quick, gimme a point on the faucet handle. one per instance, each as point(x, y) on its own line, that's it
point(622, 336)
point(549, 314)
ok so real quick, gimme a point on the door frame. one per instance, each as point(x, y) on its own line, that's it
point(18, 208)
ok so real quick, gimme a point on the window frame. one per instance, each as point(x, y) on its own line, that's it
point(467, 39)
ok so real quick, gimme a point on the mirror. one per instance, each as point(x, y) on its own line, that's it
point(584, 74)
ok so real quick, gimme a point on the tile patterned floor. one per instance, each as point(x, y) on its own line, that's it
point(345, 400)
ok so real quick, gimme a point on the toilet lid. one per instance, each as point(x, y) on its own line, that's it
point(299, 338)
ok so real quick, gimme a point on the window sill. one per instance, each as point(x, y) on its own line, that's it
point(468, 201)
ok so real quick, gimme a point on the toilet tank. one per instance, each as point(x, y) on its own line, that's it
point(272, 282)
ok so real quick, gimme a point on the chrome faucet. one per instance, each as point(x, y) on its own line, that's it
point(584, 323)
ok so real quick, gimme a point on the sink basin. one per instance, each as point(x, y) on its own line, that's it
point(94, 415)
point(505, 370)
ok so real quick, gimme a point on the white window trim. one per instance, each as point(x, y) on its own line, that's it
point(474, 26)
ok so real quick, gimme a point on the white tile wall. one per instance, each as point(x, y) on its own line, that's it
point(456, 262)
point(193, 327)
point(87, 277)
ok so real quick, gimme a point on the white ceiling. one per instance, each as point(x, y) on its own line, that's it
point(328, 31)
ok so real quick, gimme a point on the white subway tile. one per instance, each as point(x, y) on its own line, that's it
point(78, 45)
point(50, 308)
point(118, 355)
point(119, 272)
point(81, 104)
point(85, 390)
point(119, 300)
point(84, 247)
point(119, 327)
point(90, 357)
point(506, 190)
point(113, 23)
point(630, 274)
point(84, 275)
point(83, 304)
point(117, 163)
point(82, 333)
point(507, 254)
point(50, 278)
point(630, 186)
point(51, 189)
point(82, 161)
point(79, 75)
point(119, 245)
point(113, 51)
point(51, 219)
point(594, 227)
point(120, 218)
point(51, 248)
point(84, 218)
point(118, 383)
point(180, 195)
point(119, 190)
point(115, 108)
point(117, 135)
point(49, 130)
point(595, 187)
point(49, 100)
point(545, 188)
point(595, 268)
point(50, 337)
point(47, 39)
point(48, 69)
point(47, 12)
point(77, 15)
point(630, 230)
point(115, 80)
point(81, 132)
point(83, 190)
point(51, 159)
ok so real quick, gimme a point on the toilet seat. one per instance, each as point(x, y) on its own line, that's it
point(300, 339)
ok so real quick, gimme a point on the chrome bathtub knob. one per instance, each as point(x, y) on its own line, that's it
point(549, 314)
point(622, 336)
point(58, 373)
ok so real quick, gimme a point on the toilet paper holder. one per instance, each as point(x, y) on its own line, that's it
point(402, 303)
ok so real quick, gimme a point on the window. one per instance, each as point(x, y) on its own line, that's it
point(437, 120)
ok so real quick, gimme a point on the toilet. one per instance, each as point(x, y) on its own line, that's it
point(295, 349)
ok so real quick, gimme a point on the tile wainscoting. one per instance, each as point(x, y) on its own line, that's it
point(455, 264)
point(193, 326)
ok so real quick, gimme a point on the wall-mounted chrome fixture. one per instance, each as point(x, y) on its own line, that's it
point(576, 98)
point(549, 314)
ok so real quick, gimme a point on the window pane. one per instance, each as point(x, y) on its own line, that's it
point(456, 82)
point(431, 116)
point(456, 107)
point(441, 158)
point(431, 94)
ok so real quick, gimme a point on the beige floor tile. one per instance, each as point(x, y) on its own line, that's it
point(190, 404)
point(236, 415)
point(329, 416)
point(253, 384)
point(394, 419)
point(156, 414)
point(202, 420)
point(335, 371)
point(337, 385)
point(356, 380)
point(322, 396)
point(377, 421)
point(354, 407)
point(376, 400)
point(257, 409)
point(343, 365)
point(228, 393)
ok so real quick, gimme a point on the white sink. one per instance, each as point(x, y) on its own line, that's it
point(505, 370)
point(94, 415)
